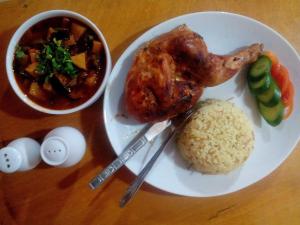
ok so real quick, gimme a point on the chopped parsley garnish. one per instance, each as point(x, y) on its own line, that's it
point(19, 52)
point(54, 58)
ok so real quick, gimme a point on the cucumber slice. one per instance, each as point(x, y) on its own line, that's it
point(273, 115)
point(260, 67)
point(271, 96)
point(260, 86)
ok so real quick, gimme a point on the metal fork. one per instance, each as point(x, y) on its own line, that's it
point(177, 124)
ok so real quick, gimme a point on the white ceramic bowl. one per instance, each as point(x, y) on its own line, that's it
point(18, 35)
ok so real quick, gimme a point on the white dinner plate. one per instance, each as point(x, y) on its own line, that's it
point(223, 33)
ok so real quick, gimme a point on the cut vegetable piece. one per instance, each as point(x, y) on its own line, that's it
point(281, 76)
point(73, 82)
point(288, 96)
point(77, 30)
point(79, 60)
point(273, 115)
point(48, 87)
point(50, 32)
point(271, 56)
point(36, 91)
point(62, 79)
point(275, 69)
point(58, 87)
point(91, 80)
point(259, 68)
point(271, 96)
point(71, 41)
point(66, 22)
point(33, 53)
point(258, 87)
point(31, 69)
point(97, 47)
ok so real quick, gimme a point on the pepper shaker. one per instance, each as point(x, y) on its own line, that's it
point(20, 155)
point(63, 147)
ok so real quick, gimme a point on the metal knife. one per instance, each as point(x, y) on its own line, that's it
point(177, 124)
point(133, 147)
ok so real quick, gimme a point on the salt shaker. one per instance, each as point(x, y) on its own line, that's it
point(20, 155)
point(63, 147)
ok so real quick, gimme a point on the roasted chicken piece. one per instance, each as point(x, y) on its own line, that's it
point(169, 73)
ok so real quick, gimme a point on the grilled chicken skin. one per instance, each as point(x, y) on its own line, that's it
point(169, 73)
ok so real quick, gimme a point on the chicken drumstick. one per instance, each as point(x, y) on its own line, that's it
point(169, 73)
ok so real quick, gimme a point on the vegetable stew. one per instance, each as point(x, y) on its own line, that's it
point(59, 63)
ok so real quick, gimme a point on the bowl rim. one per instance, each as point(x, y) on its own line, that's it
point(18, 35)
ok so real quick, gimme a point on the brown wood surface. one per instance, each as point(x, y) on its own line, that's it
point(61, 196)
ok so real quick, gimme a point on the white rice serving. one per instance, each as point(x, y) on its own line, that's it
point(217, 139)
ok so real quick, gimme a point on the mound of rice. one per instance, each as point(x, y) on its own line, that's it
point(218, 138)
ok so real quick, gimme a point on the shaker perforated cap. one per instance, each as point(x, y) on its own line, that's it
point(10, 160)
point(54, 151)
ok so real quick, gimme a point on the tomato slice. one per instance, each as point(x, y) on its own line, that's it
point(271, 56)
point(281, 76)
point(275, 69)
point(288, 100)
point(287, 97)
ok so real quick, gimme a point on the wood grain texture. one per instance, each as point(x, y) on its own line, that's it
point(61, 196)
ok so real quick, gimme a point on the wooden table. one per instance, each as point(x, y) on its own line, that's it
point(61, 196)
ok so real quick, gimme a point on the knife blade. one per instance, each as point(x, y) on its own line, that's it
point(134, 146)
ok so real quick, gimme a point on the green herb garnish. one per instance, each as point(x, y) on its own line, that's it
point(54, 58)
point(19, 52)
